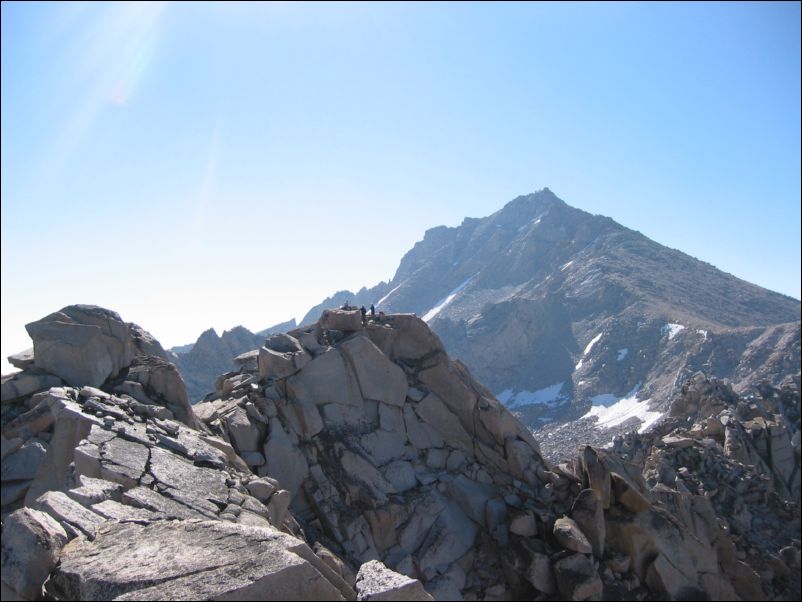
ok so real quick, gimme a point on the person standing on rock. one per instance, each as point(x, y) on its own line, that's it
point(364, 314)
point(372, 311)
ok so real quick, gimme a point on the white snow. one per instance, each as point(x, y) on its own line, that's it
point(549, 396)
point(588, 347)
point(383, 299)
point(566, 266)
point(612, 410)
point(702, 332)
point(671, 329)
point(429, 315)
point(622, 353)
point(504, 396)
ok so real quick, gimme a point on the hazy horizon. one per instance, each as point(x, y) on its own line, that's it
point(197, 165)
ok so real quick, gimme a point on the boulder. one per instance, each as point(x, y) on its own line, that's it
point(540, 575)
point(283, 343)
point(303, 417)
point(94, 491)
point(243, 433)
point(248, 361)
point(443, 379)
point(383, 447)
point(326, 379)
point(420, 434)
point(163, 383)
point(663, 577)
point(379, 378)
point(82, 344)
point(277, 364)
point(9, 446)
point(570, 536)
point(283, 461)
point(577, 579)
point(70, 427)
point(21, 384)
point(22, 360)
point(24, 463)
point(595, 475)
point(67, 510)
point(524, 525)
point(435, 413)
point(35, 420)
point(194, 560)
point(278, 506)
point(409, 339)
point(588, 514)
point(340, 319)
point(401, 475)
point(32, 542)
point(628, 495)
point(262, 488)
point(374, 581)
point(471, 497)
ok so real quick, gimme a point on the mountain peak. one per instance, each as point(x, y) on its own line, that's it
point(519, 294)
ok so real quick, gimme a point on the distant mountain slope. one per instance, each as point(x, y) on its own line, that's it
point(212, 355)
point(552, 308)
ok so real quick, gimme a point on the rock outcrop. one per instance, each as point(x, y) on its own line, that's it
point(363, 463)
point(94, 475)
point(431, 475)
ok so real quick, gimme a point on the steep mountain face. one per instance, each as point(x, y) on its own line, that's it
point(341, 451)
point(556, 310)
point(211, 355)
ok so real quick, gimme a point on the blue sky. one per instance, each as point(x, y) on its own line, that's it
point(214, 164)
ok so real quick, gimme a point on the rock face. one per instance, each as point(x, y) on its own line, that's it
point(554, 309)
point(196, 560)
point(437, 480)
point(93, 477)
point(342, 480)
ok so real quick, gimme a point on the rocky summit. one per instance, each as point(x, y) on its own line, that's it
point(558, 311)
point(352, 459)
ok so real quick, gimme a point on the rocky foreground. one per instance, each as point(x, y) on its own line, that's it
point(345, 461)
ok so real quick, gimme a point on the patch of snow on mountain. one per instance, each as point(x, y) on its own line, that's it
point(611, 410)
point(548, 396)
point(383, 299)
point(566, 266)
point(429, 315)
point(702, 332)
point(671, 329)
point(504, 396)
point(588, 347)
point(622, 353)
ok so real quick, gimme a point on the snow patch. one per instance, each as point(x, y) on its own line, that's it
point(622, 353)
point(702, 332)
point(383, 299)
point(566, 266)
point(588, 347)
point(550, 396)
point(671, 329)
point(611, 410)
point(429, 315)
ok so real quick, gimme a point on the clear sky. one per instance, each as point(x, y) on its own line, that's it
point(214, 164)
